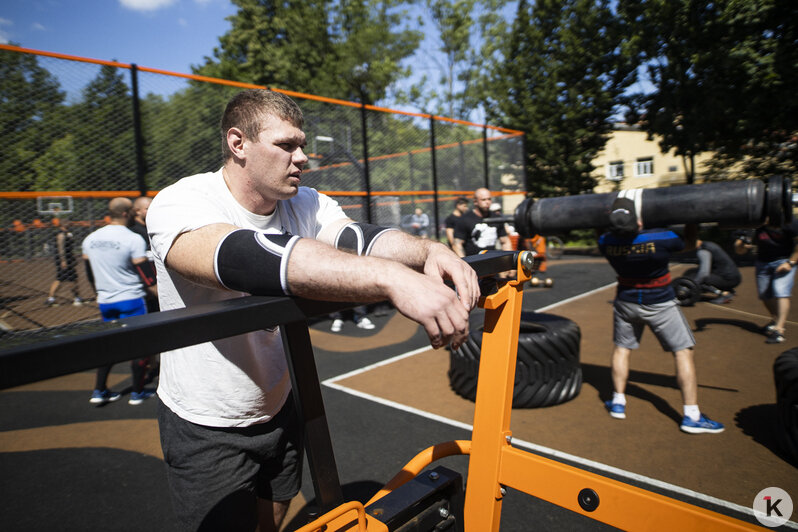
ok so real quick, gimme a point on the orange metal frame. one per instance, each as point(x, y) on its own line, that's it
point(495, 464)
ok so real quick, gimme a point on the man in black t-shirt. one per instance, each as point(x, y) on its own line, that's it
point(776, 258)
point(472, 234)
point(460, 206)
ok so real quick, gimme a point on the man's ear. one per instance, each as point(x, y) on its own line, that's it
point(235, 141)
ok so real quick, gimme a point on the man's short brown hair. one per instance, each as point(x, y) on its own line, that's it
point(246, 111)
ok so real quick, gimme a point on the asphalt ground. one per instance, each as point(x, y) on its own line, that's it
point(65, 465)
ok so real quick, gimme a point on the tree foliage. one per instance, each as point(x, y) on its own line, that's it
point(564, 66)
point(724, 74)
point(350, 49)
point(29, 95)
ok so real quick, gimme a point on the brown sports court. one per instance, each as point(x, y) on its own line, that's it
point(69, 466)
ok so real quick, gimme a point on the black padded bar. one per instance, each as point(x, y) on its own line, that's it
point(52, 353)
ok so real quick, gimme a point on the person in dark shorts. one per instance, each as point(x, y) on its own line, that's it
point(645, 298)
point(228, 429)
point(776, 259)
point(717, 272)
point(65, 265)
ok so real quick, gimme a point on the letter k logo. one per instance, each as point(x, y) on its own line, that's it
point(772, 506)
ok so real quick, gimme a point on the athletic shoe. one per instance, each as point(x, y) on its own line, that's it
point(720, 300)
point(774, 337)
point(616, 410)
point(101, 397)
point(365, 323)
point(704, 424)
point(769, 328)
point(138, 398)
point(50, 301)
point(77, 302)
point(336, 325)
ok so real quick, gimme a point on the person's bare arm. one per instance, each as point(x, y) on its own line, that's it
point(433, 259)
point(457, 247)
point(318, 271)
point(450, 236)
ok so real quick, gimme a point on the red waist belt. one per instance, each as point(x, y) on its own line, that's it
point(657, 282)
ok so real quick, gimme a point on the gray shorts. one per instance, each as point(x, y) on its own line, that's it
point(215, 474)
point(665, 319)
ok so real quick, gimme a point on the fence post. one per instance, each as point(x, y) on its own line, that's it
point(366, 174)
point(433, 161)
point(139, 143)
point(485, 156)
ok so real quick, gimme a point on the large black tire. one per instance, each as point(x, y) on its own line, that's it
point(785, 373)
point(547, 371)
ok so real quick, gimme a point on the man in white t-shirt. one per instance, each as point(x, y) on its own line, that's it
point(114, 256)
point(228, 430)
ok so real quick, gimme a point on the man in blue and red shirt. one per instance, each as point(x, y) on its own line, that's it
point(645, 297)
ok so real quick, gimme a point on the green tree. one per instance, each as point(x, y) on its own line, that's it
point(370, 41)
point(350, 49)
point(102, 123)
point(29, 95)
point(724, 74)
point(564, 68)
point(276, 44)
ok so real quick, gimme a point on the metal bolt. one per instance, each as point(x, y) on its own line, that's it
point(443, 512)
point(503, 491)
point(433, 475)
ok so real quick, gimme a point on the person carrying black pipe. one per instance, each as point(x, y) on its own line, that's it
point(645, 297)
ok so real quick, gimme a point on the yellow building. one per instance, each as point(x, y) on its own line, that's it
point(631, 160)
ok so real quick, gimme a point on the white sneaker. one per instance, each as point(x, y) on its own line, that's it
point(336, 325)
point(365, 323)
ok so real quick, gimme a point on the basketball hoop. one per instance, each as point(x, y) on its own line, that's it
point(54, 205)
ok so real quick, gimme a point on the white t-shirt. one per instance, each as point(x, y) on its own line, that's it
point(110, 250)
point(237, 381)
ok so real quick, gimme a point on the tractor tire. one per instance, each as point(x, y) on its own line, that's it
point(547, 370)
point(785, 373)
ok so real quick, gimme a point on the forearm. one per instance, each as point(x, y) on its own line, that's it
point(406, 249)
point(318, 271)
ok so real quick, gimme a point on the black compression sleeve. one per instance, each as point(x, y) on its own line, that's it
point(253, 262)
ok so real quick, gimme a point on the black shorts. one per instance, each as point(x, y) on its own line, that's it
point(66, 274)
point(215, 474)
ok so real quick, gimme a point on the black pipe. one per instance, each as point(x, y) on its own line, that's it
point(732, 203)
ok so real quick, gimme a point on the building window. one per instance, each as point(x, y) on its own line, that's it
point(644, 166)
point(615, 170)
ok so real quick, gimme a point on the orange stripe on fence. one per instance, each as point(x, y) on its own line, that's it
point(220, 81)
point(94, 194)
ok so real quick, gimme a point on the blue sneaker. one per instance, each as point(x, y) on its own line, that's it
point(138, 398)
point(704, 424)
point(616, 410)
point(101, 397)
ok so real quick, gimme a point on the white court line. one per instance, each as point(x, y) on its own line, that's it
point(545, 451)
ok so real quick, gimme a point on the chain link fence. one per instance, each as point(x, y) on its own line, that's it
point(78, 132)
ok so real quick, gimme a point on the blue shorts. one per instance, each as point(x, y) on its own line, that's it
point(770, 284)
point(123, 309)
